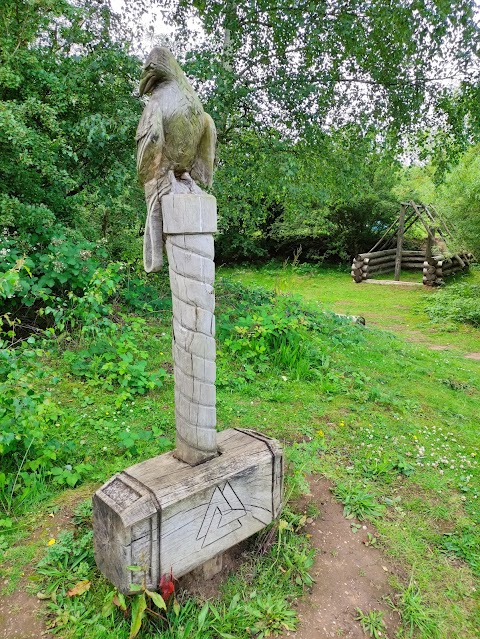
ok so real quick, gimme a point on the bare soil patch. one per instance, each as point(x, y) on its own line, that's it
point(473, 356)
point(19, 617)
point(348, 575)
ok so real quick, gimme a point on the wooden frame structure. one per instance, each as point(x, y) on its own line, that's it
point(388, 255)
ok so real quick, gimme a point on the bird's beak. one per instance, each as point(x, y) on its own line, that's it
point(147, 81)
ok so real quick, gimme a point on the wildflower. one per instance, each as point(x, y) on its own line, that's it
point(51, 542)
point(320, 433)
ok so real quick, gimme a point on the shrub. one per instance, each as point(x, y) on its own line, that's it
point(27, 447)
point(456, 303)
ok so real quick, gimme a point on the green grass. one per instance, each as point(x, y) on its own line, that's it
point(397, 308)
point(392, 423)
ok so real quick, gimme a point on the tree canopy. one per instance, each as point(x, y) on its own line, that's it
point(301, 64)
point(310, 101)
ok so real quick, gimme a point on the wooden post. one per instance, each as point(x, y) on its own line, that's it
point(398, 257)
point(181, 510)
point(189, 221)
point(430, 241)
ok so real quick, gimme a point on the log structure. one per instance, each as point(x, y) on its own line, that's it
point(437, 268)
point(388, 256)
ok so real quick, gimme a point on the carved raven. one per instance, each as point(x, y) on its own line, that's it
point(175, 144)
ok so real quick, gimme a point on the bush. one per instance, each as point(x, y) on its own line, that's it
point(456, 303)
point(28, 450)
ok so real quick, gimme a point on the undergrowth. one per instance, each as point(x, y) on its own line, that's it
point(258, 601)
point(457, 303)
point(362, 407)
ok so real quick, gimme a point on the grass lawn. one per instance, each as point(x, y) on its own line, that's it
point(393, 424)
point(396, 308)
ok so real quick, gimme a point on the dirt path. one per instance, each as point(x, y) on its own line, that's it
point(348, 575)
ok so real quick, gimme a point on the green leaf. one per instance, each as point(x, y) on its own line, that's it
point(202, 616)
point(176, 608)
point(157, 599)
point(139, 606)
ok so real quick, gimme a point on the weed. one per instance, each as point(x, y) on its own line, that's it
point(415, 614)
point(372, 623)
point(358, 503)
point(457, 303)
point(466, 545)
point(82, 515)
point(270, 616)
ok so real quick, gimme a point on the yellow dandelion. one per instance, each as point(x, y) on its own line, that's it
point(51, 542)
point(320, 433)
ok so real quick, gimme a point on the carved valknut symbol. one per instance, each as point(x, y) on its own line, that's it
point(223, 515)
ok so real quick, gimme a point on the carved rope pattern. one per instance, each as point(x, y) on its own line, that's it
point(192, 272)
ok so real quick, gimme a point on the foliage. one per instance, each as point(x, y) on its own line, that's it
point(82, 604)
point(415, 614)
point(114, 359)
point(332, 198)
point(68, 560)
point(64, 119)
point(274, 332)
point(358, 503)
point(105, 354)
point(302, 63)
point(458, 303)
point(466, 545)
point(459, 200)
point(372, 623)
point(28, 449)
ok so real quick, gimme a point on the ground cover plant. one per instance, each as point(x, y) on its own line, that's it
point(391, 423)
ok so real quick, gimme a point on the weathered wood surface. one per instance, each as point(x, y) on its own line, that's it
point(394, 282)
point(377, 253)
point(398, 255)
point(189, 220)
point(163, 514)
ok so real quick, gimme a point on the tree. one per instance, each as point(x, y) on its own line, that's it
point(67, 120)
point(298, 63)
point(458, 199)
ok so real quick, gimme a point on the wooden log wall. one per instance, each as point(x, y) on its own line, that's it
point(378, 262)
point(435, 268)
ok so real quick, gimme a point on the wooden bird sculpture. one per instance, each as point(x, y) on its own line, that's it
point(175, 144)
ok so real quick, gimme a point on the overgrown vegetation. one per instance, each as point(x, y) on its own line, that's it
point(307, 167)
point(368, 416)
point(459, 303)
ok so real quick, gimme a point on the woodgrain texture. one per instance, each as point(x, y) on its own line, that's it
point(163, 514)
point(189, 221)
point(176, 143)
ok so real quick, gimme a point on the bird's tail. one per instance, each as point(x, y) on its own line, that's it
point(153, 239)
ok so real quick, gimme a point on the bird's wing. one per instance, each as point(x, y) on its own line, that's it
point(202, 169)
point(150, 140)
